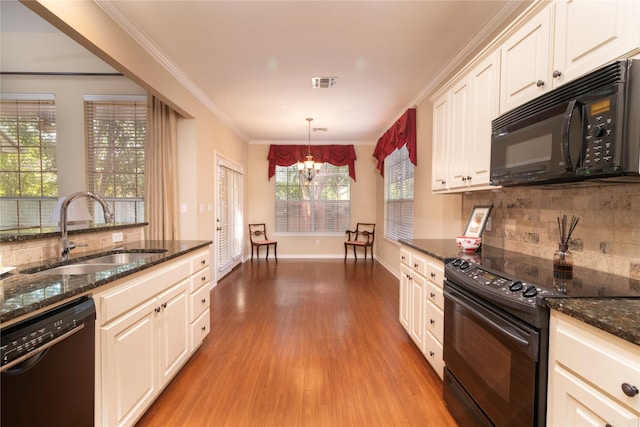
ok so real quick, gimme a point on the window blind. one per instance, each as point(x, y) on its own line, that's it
point(28, 163)
point(115, 136)
point(322, 206)
point(230, 216)
point(398, 195)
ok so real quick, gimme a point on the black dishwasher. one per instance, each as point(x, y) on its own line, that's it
point(47, 368)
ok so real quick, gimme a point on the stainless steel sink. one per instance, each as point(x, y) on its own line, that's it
point(121, 258)
point(100, 263)
point(78, 269)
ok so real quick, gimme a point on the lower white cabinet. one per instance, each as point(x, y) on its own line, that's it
point(422, 303)
point(588, 372)
point(145, 335)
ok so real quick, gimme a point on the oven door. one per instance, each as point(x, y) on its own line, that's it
point(493, 362)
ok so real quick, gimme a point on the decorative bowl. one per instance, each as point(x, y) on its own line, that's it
point(468, 243)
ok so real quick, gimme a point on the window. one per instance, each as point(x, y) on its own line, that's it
point(398, 195)
point(322, 206)
point(28, 168)
point(115, 135)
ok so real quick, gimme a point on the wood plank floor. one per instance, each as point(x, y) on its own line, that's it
point(310, 343)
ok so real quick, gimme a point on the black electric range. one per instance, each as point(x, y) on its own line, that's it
point(520, 284)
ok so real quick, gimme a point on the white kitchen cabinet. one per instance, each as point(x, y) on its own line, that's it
point(434, 315)
point(587, 370)
point(563, 41)
point(145, 335)
point(462, 129)
point(592, 33)
point(199, 306)
point(525, 58)
point(440, 143)
point(422, 303)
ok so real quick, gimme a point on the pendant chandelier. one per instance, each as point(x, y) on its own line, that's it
point(308, 168)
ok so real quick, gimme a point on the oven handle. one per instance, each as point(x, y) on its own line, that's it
point(497, 323)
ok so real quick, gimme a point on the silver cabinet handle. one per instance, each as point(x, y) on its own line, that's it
point(540, 83)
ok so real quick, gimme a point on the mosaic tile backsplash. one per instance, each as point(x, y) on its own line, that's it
point(607, 238)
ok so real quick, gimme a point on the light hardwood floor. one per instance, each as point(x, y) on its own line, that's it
point(309, 343)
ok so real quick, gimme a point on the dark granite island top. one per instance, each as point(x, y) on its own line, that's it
point(23, 293)
point(619, 316)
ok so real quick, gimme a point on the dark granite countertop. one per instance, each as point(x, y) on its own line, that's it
point(612, 304)
point(22, 293)
point(618, 316)
point(442, 249)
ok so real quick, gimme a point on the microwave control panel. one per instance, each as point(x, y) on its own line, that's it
point(599, 136)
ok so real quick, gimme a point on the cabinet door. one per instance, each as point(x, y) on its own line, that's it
point(173, 330)
point(460, 134)
point(484, 108)
point(575, 403)
point(440, 143)
point(417, 284)
point(405, 295)
point(525, 60)
point(129, 378)
point(590, 34)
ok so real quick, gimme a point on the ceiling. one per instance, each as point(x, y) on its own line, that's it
point(252, 62)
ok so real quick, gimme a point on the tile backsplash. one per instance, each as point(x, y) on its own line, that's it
point(607, 238)
point(28, 251)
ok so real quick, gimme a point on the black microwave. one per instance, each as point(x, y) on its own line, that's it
point(588, 129)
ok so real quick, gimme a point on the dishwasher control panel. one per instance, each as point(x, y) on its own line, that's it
point(17, 342)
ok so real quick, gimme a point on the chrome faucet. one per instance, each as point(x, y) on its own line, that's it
point(65, 244)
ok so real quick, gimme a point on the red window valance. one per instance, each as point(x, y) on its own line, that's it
point(403, 132)
point(287, 155)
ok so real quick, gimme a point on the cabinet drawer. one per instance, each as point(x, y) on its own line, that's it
point(435, 295)
point(200, 329)
point(199, 279)
point(121, 299)
point(405, 257)
point(200, 261)
point(419, 264)
point(199, 302)
point(435, 272)
point(433, 354)
point(434, 321)
point(598, 357)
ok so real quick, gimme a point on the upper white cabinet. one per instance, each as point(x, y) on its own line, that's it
point(589, 34)
point(462, 128)
point(525, 62)
point(565, 40)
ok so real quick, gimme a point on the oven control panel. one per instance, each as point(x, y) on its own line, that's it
point(476, 277)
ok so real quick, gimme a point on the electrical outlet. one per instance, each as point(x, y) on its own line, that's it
point(117, 237)
point(317, 241)
point(183, 208)
point(488, 224)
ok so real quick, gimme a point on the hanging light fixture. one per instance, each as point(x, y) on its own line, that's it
point(308, 168)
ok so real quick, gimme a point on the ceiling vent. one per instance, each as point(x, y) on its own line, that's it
point(323, 82)
point(320, 129)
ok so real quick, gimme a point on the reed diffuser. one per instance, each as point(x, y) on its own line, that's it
point(562, 258)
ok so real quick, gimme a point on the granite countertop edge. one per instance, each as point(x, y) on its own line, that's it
point(617, 316)
point(22, 293)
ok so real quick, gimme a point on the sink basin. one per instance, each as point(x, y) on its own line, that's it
point(121, 258)
point(78, 269)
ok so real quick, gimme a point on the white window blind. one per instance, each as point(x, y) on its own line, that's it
point(230, 217)
point(28, 166)
point(115, 135)
point(322, 206)
point(398, 195)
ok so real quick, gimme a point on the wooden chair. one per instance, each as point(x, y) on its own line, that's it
point(258, 238)
point(362, 237)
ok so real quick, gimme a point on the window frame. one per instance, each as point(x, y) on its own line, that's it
point(296, 182)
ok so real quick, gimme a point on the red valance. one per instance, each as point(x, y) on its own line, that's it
point(287, 155)
point(403, 132)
